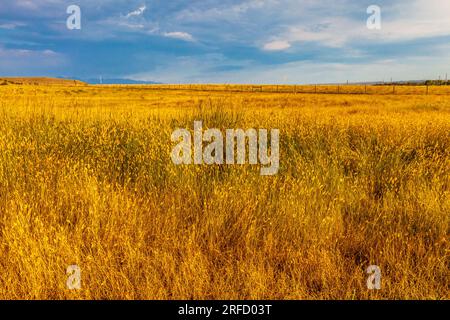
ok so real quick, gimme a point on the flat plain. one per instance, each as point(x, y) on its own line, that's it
point(86, 179)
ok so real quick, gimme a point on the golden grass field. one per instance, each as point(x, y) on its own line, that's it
point(86, 178)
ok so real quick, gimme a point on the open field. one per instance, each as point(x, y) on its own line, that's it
point(316, 89)
point(388, 89)
point(86, 178)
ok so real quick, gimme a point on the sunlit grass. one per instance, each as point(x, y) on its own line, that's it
point(86, 178)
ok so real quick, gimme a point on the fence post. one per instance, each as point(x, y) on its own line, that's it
point(339, 90)
point(315, 88)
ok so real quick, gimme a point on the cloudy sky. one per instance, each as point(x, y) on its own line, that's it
point(226, 41)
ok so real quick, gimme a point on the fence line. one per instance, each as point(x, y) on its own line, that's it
point(316, 89)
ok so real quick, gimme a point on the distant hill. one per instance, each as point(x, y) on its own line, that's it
point(117, 81)
point(40, 81)
point(67, 81)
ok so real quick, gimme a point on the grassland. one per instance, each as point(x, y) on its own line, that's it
point(86, 178)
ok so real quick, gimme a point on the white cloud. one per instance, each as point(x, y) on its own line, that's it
point(10, 26)
point(15, 61)
point(226, 12)
point(204, 69)
point(279, 45)
point(28, 4)
point(5, 53)
point(137, 12)
point(192, 69)
point(417, 19)
point(179, 35)
point(329, 32)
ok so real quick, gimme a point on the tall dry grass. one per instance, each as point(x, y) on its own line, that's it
point(86, 179)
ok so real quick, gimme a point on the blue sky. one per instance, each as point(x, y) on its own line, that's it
point(226, 41)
